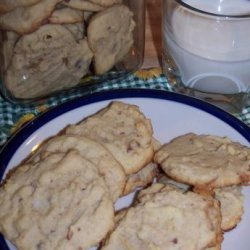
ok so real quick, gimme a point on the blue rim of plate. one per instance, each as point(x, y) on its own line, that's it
point(15, 142)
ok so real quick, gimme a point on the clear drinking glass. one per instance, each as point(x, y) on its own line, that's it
point(207, 54)
point(35, 76)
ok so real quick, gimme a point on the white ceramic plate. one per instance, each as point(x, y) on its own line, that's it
point(171, 115)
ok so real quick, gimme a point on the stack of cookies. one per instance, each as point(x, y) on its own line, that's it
point(63, 196)
point(49, 45)
point(209, 165)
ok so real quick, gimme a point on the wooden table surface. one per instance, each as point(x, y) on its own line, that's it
point(152, 56)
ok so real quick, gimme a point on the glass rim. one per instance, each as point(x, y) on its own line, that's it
point(210, 13)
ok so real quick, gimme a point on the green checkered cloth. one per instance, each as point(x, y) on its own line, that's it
point(10, 113)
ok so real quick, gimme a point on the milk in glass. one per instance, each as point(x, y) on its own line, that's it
point(211, 46)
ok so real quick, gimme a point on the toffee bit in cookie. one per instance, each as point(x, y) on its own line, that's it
point(69, 234)
point(175, 240)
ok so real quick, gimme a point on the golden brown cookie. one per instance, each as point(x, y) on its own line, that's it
point(82, 5)
point(110, 36)
point(44, 61)
point(141, 179)
point(106, 164)
point(124, 130)
point(232, 208)
point(59, 203)
point(24, 20)
point(166, 218)
point(205, 161)
point(106, 3)
point(8, 5)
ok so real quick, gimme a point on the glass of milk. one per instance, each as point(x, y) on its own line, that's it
point(206, 50)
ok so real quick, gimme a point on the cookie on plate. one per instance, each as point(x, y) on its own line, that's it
point(230, 198)
point(24, 20)
point(59, 203)
point(232, 207)
point(44, 61)
point(124, 130)
point(166, 218)
point(110, 36)
point(205, 161)
point(106, 164)
point(142, 178)
point(82, 5)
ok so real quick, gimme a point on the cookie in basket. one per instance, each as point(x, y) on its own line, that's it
point(110, 36)
point(7, 5)
point(205, 161)
point(82, 5)
point(25, 20)
point(66, 15)
point(59, 203)
point(124, 130)
point(44, 61)
point(106, 164)
point(106, 3)
point(166, 218)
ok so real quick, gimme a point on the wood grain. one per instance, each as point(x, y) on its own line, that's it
point(153, 44)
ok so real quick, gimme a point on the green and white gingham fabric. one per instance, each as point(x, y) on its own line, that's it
point(12, 114)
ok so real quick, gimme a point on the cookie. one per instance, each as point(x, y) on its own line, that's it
point(231, 201)
point(205, 161)
point(24, 20)
point(77, 30)
point(143, 177)
point(230, 198)
point(124, 130)
point(8, 44)
point(156, 144)
point(140, 179)
point(59, 203)
point(66, 15)
point(44, 62)
point(7, 5)
point(110, 36)
point(105, 3)
point(106, 164)
point(82, 5)
point(167, 219)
